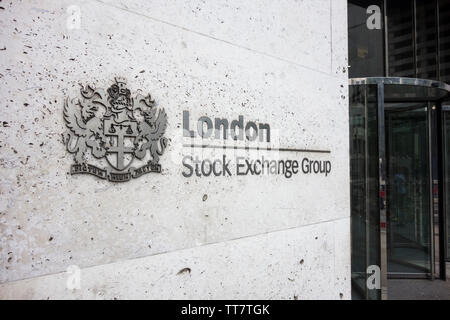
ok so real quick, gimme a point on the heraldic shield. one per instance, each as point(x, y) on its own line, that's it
point(113, 126)
point(120, 153)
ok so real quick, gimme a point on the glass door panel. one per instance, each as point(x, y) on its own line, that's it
point(408, 183)
point(446, 152)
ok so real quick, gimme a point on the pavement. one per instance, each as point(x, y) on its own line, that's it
point(418, 289)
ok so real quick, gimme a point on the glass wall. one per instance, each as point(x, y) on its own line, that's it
point(444, 40)
point(366, 38)
point(364, 184)
point(426, 39)
point(401, 59)
point(391, 228)
point(447, 175)
point(415, 43)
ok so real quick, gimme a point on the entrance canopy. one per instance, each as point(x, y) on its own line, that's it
point(407, 89)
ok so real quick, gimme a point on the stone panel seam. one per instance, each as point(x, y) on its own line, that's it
point(223, 41)
point(182, 249)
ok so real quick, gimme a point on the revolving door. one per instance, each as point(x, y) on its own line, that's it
point(397, 189)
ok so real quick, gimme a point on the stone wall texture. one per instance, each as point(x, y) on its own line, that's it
point(163, 235)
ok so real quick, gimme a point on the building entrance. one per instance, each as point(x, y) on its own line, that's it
point(397, 181)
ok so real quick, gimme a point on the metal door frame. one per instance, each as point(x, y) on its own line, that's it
point(444, 90)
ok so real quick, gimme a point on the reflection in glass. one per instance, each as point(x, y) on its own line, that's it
point(394, 93)
point(417, 44)
point(365, 44)
point(426, 39)
point(400, 38)
point(444, 39)
point(364, 187)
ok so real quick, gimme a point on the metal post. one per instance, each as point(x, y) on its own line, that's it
point(431, 184)
point(436, 215)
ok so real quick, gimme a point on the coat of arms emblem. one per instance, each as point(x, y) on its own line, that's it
point(112, 127)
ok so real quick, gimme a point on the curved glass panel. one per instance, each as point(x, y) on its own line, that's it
point(407, 89)
point(446, 152)
point(365, 218)
point(395, 92)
